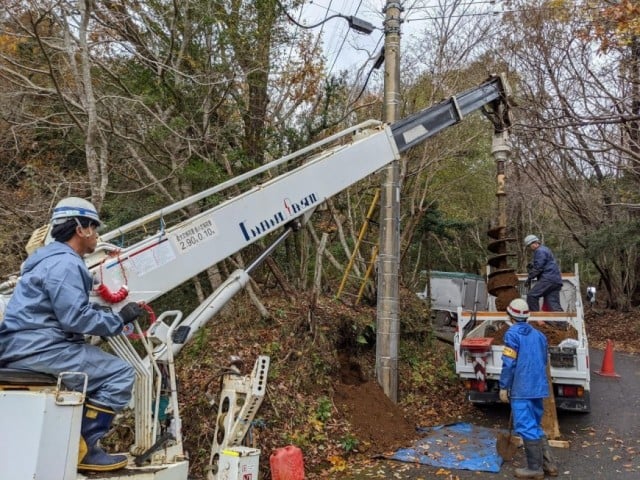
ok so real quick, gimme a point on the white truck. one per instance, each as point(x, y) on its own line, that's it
point(478, 348)
point(445, 292)
point(169, 248)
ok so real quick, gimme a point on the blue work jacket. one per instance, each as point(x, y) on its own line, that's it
point(544, 266)
point(524, 362)
point(50, 305)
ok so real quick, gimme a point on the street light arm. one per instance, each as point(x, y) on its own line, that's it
point(355, 23)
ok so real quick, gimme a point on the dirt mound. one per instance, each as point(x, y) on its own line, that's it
point(376, 421)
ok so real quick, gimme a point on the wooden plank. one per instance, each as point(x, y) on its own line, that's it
point(553, 314)
point(517, 440)
point(550, 416)
point(559, 443)
point(497, 316)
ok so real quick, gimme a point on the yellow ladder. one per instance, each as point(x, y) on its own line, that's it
point(356, 248)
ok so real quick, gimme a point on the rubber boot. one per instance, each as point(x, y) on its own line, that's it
point(533, 451)
point(548, 462)
point(96, 421)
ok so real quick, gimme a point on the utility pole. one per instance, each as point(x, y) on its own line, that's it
point(388, 324)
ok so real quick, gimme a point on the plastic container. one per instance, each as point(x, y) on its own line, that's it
point(287, 464)
point(562, 357)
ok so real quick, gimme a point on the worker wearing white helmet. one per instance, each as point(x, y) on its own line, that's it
point(48, 316)
point(523, 381)
point(545, 271)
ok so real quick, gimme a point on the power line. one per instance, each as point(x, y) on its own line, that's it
point(355, 23)
point(344, 40)
point(375, 66)
point(456, 5)
point(444, 17)
point(326, 17)
point(295, 35)
point(496, 12)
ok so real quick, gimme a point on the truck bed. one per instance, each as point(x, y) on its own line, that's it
point(480, 333)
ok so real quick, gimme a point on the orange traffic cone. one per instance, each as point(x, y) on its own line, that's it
point(607, 369)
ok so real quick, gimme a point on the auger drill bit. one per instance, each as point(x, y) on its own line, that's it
point(502, 279)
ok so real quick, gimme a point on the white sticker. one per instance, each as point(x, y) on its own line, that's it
point(193, 234)
point(150, 259)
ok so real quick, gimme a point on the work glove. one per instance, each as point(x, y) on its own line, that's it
point(504, 395)
point(527, 283)
point(130, 312)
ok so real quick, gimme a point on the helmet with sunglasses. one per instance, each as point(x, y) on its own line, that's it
point(74, 207)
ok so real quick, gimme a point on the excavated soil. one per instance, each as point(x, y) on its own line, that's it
point(375, 420)
point(554, 334)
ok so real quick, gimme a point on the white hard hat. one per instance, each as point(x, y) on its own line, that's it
point(529, 239)
point(72, 207)
point(519, 310)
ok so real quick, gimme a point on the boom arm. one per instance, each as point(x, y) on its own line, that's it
point(160, 262)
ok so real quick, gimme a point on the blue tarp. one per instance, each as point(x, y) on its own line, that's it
point(460, 446)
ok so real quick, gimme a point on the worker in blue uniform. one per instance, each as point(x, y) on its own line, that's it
point(523, 381)
point(48, 316)
point(545, 270)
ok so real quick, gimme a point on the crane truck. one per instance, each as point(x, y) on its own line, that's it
point(44, 417)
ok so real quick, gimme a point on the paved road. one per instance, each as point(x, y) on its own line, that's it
point(604, 444)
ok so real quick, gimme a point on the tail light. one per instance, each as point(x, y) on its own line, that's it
point(570, 391)
point(477, 385)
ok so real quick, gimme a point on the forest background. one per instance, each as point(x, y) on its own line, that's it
point(136, 105)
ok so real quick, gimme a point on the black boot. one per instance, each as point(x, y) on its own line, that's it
point(96, 421)
point(533, 451)
point(548, 462)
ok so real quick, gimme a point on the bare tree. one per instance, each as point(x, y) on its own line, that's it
point(575, 109)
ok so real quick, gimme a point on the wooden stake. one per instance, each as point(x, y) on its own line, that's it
point(550, 416)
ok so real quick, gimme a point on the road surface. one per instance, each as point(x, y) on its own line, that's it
point(604, 444)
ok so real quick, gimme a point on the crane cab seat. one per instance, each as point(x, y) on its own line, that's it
point(14, 379)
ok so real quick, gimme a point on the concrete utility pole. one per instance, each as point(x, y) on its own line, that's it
point(388, 325)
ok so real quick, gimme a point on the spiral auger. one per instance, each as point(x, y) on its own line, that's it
point(502, 279)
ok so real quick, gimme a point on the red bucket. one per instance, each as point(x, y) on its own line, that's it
point(287, 464)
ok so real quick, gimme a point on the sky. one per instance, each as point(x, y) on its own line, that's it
point(346, 49)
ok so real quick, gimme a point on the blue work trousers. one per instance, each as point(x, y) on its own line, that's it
point(527, 417)
point(110, 379)
point(547, 290)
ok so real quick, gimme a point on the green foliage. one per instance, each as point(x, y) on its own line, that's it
point(202, 174)
point(197, 345)
point(272, 349)
point(122, 209)
point(349, 443)
point(617, 236)
point(367, 335)
point(618, 246)
point(319, 364)
point(323, 409)
point(434, 221)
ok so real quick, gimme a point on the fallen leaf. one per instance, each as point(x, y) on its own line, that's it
point(442, 471)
